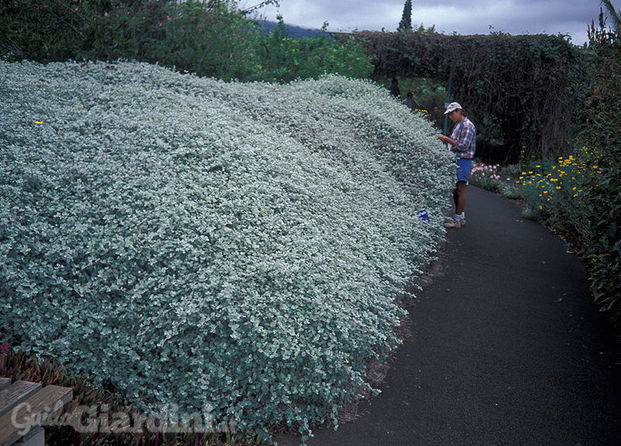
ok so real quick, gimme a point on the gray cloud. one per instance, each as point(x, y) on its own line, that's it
point(448, 16)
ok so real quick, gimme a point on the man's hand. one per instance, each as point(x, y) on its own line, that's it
point(447, 140)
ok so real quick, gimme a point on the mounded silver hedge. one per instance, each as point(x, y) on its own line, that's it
point(236, 249)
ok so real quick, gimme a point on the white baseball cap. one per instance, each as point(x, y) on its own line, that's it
point(452, 107)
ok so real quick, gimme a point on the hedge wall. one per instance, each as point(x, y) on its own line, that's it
point(517, 89)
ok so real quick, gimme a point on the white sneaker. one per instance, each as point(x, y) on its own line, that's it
point(455, 223)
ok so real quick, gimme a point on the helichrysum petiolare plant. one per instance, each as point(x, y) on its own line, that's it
point(236, 249)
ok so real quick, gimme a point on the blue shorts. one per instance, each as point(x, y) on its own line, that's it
point(464, 167)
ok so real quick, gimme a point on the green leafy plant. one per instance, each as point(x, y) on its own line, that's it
point(284, 59)
point(213, 38)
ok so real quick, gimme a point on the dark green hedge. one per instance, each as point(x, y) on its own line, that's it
point(518, 89)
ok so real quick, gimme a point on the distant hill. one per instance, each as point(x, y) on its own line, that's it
point(295, 32)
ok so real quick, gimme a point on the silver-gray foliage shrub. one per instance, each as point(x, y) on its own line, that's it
point(236, 249)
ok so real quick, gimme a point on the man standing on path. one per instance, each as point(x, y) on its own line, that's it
point(463, 143)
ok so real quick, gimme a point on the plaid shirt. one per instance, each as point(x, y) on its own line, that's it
point(465, 135)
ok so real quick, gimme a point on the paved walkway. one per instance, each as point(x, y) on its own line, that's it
point(506, 348)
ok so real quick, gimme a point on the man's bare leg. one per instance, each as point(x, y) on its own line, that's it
point(460, 197)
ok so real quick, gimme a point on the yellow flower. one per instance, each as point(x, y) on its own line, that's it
point(558, 187)
point(38, 122)
point(540, 207)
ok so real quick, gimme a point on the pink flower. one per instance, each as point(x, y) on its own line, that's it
point(167, 18)
point(5, 348)
point(76, 9)
point(106, 14)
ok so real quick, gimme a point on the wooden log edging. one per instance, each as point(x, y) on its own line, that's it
point(24, 407)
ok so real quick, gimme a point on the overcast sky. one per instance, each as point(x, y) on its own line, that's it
point(464, 17)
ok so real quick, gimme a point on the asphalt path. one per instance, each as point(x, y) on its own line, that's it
point(506, 347)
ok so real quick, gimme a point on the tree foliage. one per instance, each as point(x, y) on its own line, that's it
point(213, 38)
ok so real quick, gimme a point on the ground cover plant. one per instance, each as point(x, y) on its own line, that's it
point(235, 249)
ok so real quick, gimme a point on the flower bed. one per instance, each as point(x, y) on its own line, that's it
point(485, 176)
point(552, 188)
point(492, 178)
point(578, 197)
point(236, 249)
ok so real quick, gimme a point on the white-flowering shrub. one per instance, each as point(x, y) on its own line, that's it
point(237, 249)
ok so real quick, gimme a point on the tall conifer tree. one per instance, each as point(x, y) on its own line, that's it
point(406, 18)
